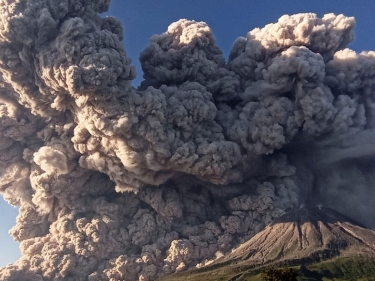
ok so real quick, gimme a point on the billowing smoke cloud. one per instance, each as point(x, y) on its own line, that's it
point(118, 183)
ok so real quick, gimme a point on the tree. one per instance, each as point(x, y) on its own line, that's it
point(282, 274)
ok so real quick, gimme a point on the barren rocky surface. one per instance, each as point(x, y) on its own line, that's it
point(307, 233)
point(312, 236)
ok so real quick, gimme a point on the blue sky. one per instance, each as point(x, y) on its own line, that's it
point(228, 19)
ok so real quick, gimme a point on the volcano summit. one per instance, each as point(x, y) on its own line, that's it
point(307, 236)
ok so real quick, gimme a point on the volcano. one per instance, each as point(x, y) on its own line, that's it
point(303, 236)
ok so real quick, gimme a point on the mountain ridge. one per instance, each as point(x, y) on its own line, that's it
point(306, 235)
point(316, 233)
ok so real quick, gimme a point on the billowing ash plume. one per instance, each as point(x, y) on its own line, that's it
point(118, 183)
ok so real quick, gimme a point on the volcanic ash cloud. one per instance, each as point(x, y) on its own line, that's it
point(118, 183)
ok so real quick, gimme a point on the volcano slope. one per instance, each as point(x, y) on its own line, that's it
point(318, 241)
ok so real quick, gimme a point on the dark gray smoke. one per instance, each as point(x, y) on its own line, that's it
point(118, 183)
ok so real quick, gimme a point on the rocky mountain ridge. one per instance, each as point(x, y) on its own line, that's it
point(302, 236)
point(306, 234)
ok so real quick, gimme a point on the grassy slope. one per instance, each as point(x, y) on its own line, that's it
point(338, 269)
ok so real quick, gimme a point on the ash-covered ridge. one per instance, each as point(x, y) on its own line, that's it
point(306, 234)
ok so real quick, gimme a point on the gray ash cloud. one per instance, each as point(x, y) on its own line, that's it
point(118, 183)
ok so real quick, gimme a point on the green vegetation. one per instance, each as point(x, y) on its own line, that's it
point(344, 269)
point(281, 274)
point(338, 269)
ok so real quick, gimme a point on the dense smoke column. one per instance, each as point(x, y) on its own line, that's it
point(117, 183)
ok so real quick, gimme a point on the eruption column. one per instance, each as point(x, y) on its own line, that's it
point(118, 183)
